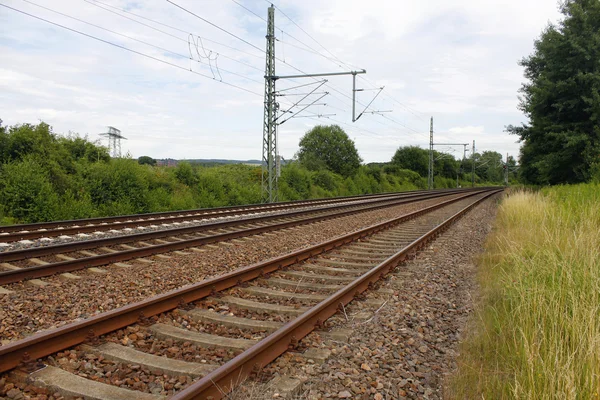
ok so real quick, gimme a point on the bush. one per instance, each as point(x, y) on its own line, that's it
point(26, 193)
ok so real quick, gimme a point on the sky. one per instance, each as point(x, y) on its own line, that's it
point(185, 79)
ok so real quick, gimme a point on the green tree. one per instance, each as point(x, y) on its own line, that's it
point(561, 141)
point(185, 174)
point(146, 160)
point(489, 166)
point(445, 165)
point(81, 148)
point(413, 158)
point(331, 148)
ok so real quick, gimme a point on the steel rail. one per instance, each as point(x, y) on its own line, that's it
point(17, 255)
point(71, 230)
point(40, 271)
point(48, 342)
point(199, 212)
point(222, 380)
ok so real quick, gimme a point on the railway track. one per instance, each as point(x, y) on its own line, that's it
point(209, 336)
point(38, 262)
point(15, 233)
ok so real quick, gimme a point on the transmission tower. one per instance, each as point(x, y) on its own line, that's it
point(269, 148)
point(114, 141)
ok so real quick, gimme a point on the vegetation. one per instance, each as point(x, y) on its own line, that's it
point(561, 142)
point(146, 160)
point(44, 176)
point(329, 147)
point(537, 328)
point(489, 166)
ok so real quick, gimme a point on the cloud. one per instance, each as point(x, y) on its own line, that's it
point(455, 61)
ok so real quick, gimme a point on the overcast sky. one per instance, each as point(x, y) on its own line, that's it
point(454, 60)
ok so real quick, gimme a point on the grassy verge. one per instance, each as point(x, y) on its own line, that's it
point(536, 331)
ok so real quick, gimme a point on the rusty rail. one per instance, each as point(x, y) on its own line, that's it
point(223, 379)
point(45, 343)
point(16, 234)
point(201, 212)
point(40, 271)
point(15, 255)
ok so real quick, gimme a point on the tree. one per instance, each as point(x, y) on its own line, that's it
point(445, 165)
point(329, 147)
point(489, 166)
point(561, 141)
point(185, 174)
point(146, 160)
point(413, 158)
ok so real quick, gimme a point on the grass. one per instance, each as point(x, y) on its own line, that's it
point(536, 330)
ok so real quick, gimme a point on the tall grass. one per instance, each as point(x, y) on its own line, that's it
point(536, 331)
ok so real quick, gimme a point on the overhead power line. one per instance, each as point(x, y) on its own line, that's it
point(338, 61)
point(216, 26)
point(249, 10)
point(128, 49)
point(149, 44)
point(97, 4)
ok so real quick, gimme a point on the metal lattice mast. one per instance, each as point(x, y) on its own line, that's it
point(506, 171)
point(473, 166)
point(430, 178)
point(114, 141)
point(269, 150)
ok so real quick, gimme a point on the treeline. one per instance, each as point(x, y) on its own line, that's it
point(485, 167)
point(45, 176)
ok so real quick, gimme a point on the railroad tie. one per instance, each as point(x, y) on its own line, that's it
point(9, 266)
point(232, 321)
point(163, 365)
point(71, 385)
point(163, 331)
point(5, 291)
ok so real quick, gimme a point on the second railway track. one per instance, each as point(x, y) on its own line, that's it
point(38, 262)
point(47, 230)
point(237, 323)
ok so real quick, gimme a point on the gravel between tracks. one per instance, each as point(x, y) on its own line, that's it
point(404, 350)
point(30, 309)
point(158, 225)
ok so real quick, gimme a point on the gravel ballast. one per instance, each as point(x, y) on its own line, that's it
point(157, 225)
point(404, 348)
point(29, 308)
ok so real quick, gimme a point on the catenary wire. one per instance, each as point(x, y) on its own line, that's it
point(150, 44)
point(216, 26)
point(93, 2)
point(130, 50)
point(414, 112)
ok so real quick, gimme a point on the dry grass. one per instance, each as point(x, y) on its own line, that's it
point(536, 331)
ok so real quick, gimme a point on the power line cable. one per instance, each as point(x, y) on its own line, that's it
point(144, 42)
point(249, 10)
point(97, 4)
point(237, 37)
point(414, 112)
point(216, 26)
point(307, 34)
point(330, 86)
point(128, 49)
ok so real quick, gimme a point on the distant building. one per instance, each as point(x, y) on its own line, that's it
point(166, 162)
